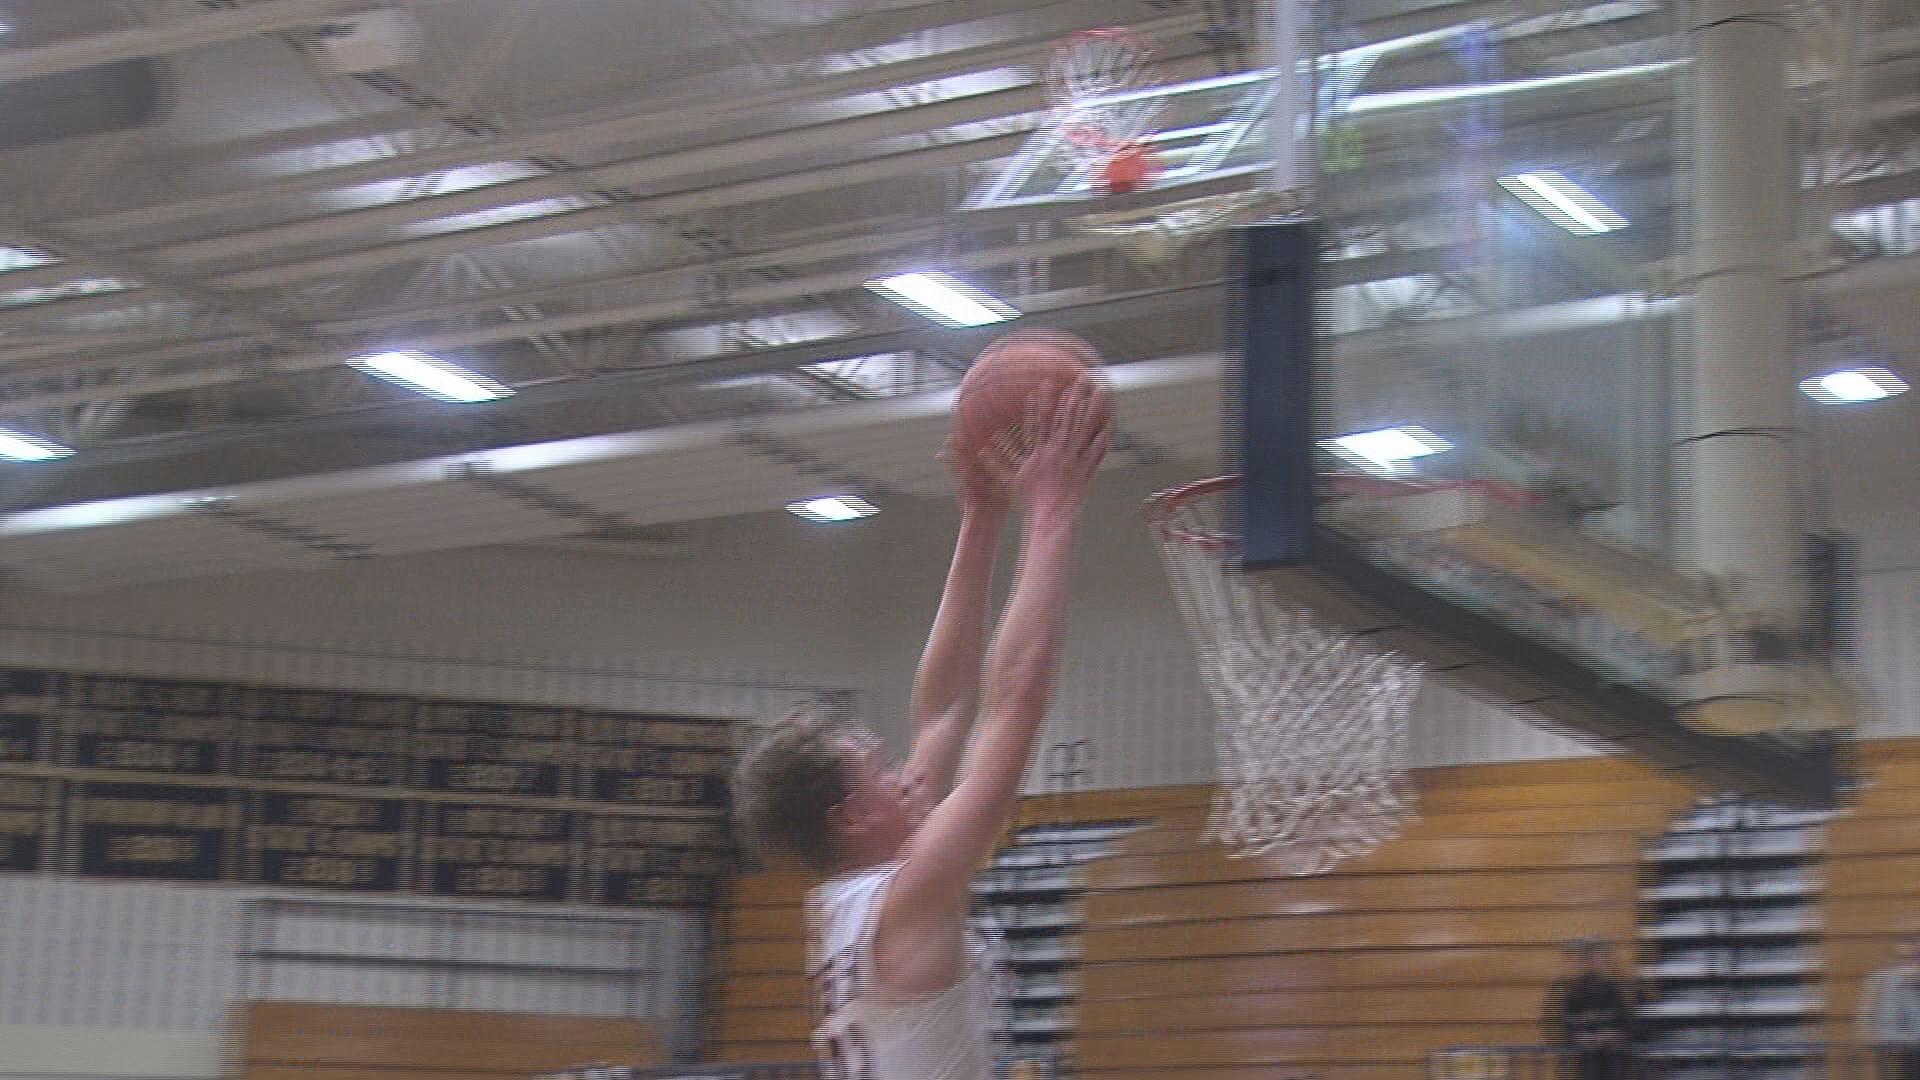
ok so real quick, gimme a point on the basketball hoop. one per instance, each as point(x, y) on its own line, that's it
point(1312, 725)
point(1097, 85)
point(1160, 234)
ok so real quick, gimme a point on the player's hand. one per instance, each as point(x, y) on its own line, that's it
point(983, 486)
point(1069, 441)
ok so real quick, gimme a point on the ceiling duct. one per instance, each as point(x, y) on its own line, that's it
point(91, 101)
point(666, 540)
point(368, 42)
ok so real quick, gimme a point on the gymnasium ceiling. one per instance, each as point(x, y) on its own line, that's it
point(653, 219)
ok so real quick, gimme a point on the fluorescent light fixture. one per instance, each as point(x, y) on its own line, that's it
point(499, 215)
point(17, 447)
point(1564, 202)
point(19, 258)
point(944, 300)
point(1388, 448)
point(1852, 386)
point(92, 515)
point(431, 376)
point(47, 294)
point(1445, 95)
point(833, 508)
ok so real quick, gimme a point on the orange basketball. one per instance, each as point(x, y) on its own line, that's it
point(1127, 170)
point(990, 411)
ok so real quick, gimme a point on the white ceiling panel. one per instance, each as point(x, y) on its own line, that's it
point(187, 546)
point(431, 517)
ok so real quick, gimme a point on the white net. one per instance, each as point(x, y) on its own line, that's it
point(1100, 85)
point(1313, 724)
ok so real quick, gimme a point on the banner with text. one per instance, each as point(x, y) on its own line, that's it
point(169, 780)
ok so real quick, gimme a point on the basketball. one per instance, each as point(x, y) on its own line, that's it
point(990, 410)
point(1127, 170)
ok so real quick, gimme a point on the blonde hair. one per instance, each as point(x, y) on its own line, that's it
point(788, 779)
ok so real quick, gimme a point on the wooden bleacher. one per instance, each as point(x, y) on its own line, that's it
point(1872, 875)
point(1197, 966)
point(285, 1040)
point(1206, 967)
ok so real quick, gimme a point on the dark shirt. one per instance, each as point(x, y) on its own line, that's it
point(1590, 1005)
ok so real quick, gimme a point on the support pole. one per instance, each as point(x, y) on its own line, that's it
point(1737, 446)
point(1291, 107)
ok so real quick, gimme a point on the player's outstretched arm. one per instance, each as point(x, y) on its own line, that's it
point(926, 902)
point(946, 688)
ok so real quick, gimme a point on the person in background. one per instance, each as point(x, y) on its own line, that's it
point(1889, 1015)
point(1590, 1015)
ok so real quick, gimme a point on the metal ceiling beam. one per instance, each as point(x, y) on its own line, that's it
point(866, 239)
point(173, 36)
point(871, 239)
point(288, 334)
point(885, 25)
point(673, 116)
point(94, 342)
point(1884, 46)
point(653, 170)
point(868, 247)
point(630, 315)
point(26, 378)
point(291, 140)
point(657, 206)
point(673, 276)
point(676, 116)
point(769, 294)
point(1071, 314)
point(545, 227)
point(1210, 295)
point(415, 211)
point(648, 171)
point(1873, 191)
point(862, 238)
point(1882, 189)
point(1865, 193)
point(35, 316)
point(909, 163)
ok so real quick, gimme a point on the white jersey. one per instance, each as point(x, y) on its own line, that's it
point(942, 1036)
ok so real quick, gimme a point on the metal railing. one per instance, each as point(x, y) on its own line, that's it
point(1678, 1061)
point(772, 1070)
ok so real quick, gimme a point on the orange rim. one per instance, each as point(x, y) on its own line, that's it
point(1163, 508)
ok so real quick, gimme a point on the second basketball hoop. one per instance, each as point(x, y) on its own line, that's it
point(1101, 86)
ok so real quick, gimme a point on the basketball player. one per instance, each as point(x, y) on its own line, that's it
point(900, 985)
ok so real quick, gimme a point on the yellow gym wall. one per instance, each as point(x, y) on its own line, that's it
point(1872, 876)
point(1197, 966)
